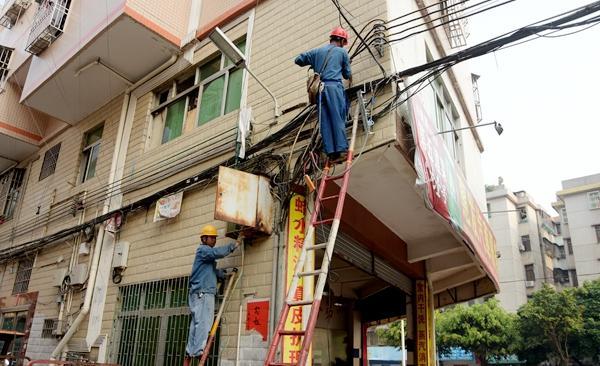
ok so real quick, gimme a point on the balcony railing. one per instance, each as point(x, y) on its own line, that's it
point(454, 23)
point(48, 24)
point(5, 54)
point(12, 10)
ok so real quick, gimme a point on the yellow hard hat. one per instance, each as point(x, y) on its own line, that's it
point(208, 230)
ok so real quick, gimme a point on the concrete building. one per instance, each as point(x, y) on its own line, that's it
point(114, 119)
point(578, 204)
point(530, 245)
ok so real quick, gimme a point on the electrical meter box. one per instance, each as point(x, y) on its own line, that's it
point(120, 255)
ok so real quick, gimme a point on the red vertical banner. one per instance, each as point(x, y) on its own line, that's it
point(424, 317)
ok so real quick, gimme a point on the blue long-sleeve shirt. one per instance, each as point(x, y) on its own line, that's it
point(337, 67)
point(204, 270)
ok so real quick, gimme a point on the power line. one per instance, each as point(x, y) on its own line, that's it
point(184, 184)
point(371, 38)
point(337, 5)
point(505, 39)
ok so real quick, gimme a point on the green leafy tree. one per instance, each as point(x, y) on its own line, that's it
point(586, 344)
point(391, 334)
point(547, 323)
point(484, 329)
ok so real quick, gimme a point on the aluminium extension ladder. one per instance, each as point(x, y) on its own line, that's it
point(322, 272)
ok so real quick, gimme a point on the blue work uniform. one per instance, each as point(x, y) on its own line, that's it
point(333, 105)
point(203, 287)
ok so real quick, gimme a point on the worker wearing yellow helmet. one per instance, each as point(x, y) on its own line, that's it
point(203, 287)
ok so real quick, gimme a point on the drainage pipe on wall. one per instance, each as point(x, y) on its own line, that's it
point(113, 173)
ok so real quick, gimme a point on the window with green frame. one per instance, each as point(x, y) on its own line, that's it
point(152, 324)
point(215, 89)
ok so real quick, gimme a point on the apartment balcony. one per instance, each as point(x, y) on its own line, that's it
point(48, 25)
point(12, 10)
point(412, 185)
point(89, 52)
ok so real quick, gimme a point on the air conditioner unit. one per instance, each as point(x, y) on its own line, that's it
point(529, 284)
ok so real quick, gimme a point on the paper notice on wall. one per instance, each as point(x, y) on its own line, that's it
point(243, 130)
point(168, 207)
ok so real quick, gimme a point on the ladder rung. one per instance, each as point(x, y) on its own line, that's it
point(322, 222)
point(316, 246)
point(292, 332)
point(300, 303)
point(335, 177)
point(330, 197)
point(310, 273)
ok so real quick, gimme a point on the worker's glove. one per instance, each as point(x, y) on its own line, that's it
point(230, 271)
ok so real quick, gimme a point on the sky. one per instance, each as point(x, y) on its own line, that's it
point(546, 95)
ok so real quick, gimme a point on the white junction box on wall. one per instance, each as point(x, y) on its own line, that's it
point(79, 274)
point(120, 255)
point(59, 276)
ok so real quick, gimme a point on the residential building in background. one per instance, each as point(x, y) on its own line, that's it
point(578, 204)
point(530, 245)
point(115, 118)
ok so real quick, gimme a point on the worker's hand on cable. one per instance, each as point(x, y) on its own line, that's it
point(239, 241)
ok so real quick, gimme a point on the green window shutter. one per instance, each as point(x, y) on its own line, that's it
point(174, 122)
point(234, 91)
point(212, 97)
point(210, 68)
point(241, 45)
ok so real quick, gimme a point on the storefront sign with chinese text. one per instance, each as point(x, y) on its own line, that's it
point(424, 314)
point(295, 240)
point(446, 189)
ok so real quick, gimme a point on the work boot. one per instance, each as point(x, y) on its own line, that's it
point(340, 157)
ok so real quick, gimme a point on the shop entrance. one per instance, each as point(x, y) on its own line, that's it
point(353, 299)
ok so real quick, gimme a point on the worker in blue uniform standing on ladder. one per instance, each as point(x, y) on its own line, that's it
point(203, 288)
point(332, 63)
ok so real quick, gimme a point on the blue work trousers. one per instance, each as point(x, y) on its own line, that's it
point(202, 306)
point(333, 109)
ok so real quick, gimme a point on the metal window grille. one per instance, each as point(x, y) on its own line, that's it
point(569, 245)
point(529, 272)
point(49, 327)
point(10, 191)
point(597, 231)
point(23, 274)
point(152, 324)
point(5, 54)
point(50, 160)
point(11, 12)
point(476, 98)
point(594, 199)
point(455, 28)
point(526, 243)
point(48, 24)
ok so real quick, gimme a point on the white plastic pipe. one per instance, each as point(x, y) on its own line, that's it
point(98, 247)
point(402, 342)
point(88, 296)
point(239, 335)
